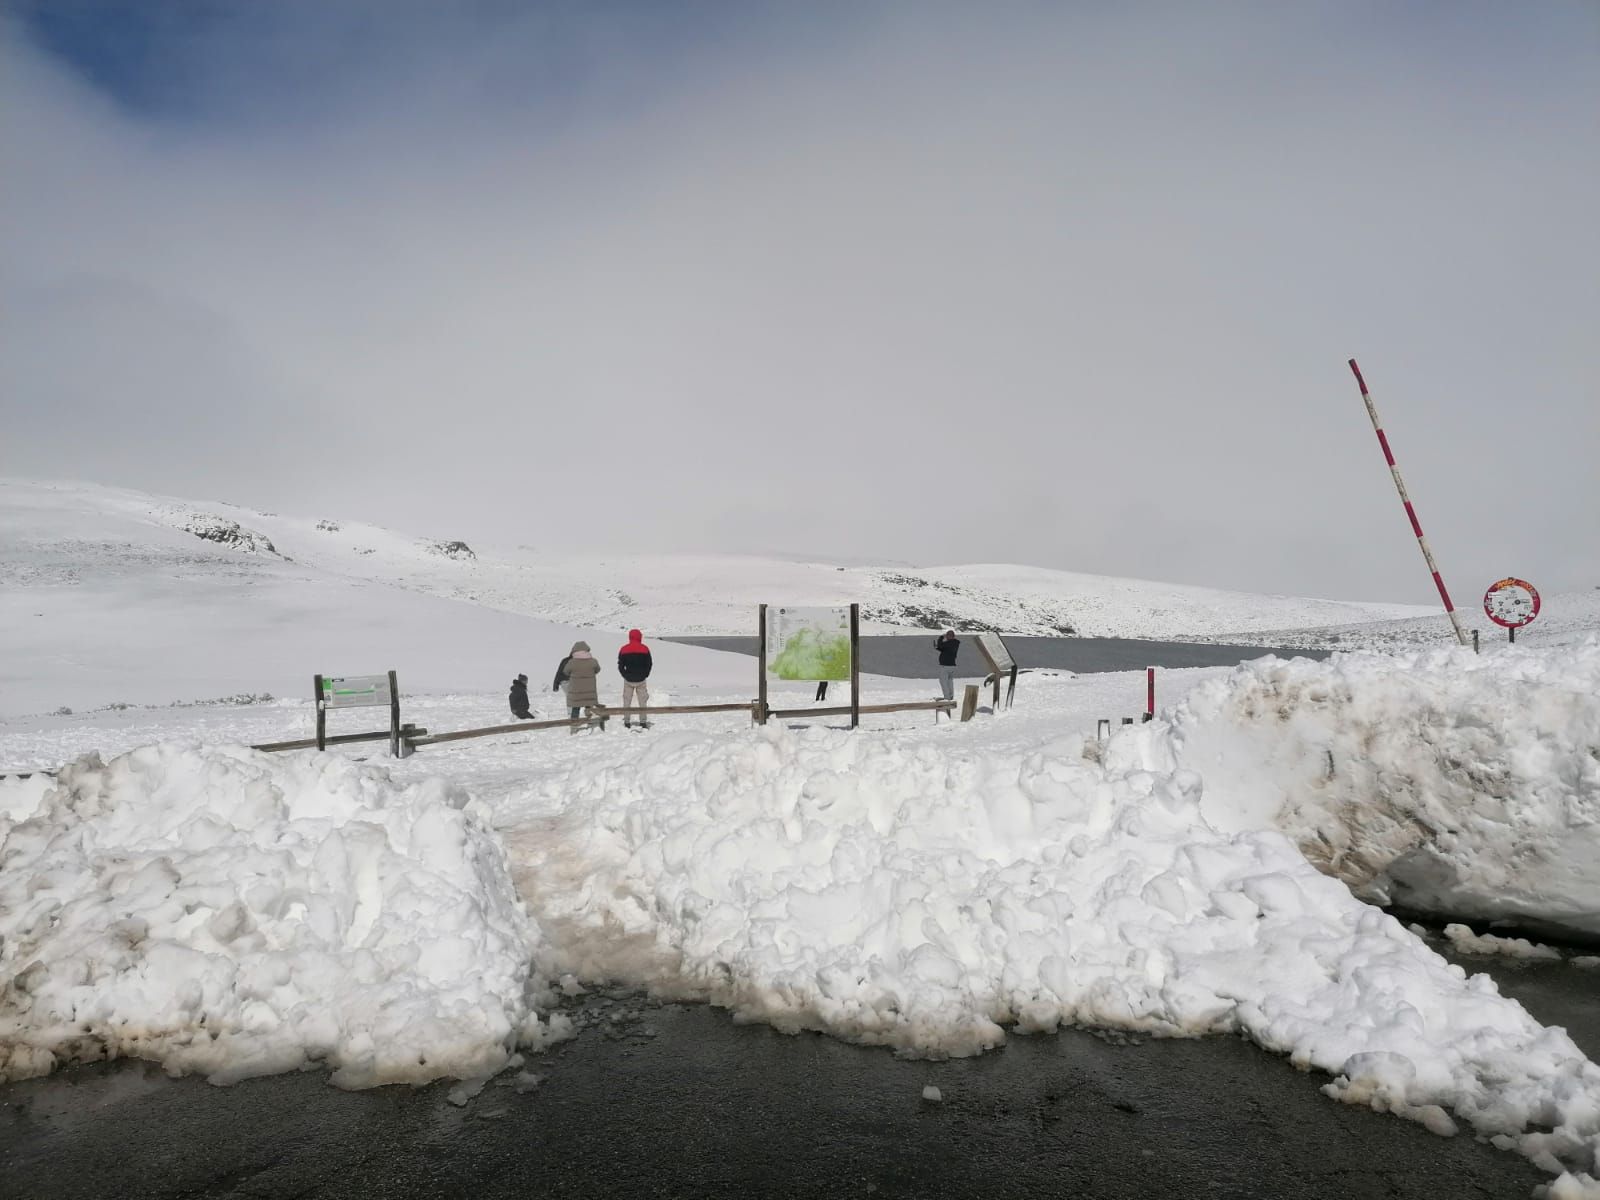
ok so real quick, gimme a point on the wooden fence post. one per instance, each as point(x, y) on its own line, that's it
point(322, 716)
point(855, 666)
point(969, 701)
point(761, 676)
point(394, 716)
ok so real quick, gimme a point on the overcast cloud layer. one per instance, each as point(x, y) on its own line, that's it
point(1051, 284)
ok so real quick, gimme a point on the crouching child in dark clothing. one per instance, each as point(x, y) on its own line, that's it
point(519, 699)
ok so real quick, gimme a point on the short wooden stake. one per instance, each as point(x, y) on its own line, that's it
point(1102, 729)
point(322, 716)
point(969, 701)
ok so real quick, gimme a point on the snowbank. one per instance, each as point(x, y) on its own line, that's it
point(232, 914)
point(927, 898)
point(1441, 781)
point(20, 795)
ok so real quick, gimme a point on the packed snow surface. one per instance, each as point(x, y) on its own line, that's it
point(1447, 782)
point(928, 900)
point(231, 914)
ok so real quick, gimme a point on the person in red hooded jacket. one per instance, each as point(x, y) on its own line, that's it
point(633, 664)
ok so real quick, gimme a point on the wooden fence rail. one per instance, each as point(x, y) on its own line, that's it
point(458, 735)
point(337, 740)
point(935, 706)
point(610, 710)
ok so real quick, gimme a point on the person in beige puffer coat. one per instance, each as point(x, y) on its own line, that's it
point(579, 671)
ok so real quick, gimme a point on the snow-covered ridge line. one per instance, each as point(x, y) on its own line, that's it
point(682, 594)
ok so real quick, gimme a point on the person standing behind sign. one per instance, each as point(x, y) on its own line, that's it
point(633, 664)
point(582, 672)
point(947, 646)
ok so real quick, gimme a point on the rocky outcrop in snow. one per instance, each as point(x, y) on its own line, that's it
point(228, 533)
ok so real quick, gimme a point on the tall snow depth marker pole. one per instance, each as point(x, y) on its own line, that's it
point(1411, 513)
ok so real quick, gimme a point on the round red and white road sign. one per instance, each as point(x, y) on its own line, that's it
point(1511, 602)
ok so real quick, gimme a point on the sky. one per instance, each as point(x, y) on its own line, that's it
point(1067, 284)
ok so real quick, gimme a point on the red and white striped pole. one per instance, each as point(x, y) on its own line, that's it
point(1411, 512)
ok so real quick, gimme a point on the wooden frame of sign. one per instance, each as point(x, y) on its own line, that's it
point(761, 668)
point(1001, 663)
point(761, 709)
point(358, 691)
point(855, 666)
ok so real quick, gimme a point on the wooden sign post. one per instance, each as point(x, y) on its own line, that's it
point(359, 691)
point(801, 642)
point(855, 667)
point(761, 670)
point(998, 656)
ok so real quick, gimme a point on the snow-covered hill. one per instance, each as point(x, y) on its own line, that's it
point(111, 597)
point(50, 536)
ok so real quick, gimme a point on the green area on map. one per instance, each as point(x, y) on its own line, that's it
point(813, 654)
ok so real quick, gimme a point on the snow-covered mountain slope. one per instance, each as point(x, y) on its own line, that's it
point(1565, 619)
point(49, 537)
point(112, 597)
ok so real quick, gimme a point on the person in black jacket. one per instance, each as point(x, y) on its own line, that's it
point(947, 646)
point(633, 664)
point(519, 699)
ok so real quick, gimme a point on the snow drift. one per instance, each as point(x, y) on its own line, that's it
point(928, 899)
point(1441, 781)
point(233, 914)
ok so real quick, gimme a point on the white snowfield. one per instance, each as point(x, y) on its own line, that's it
point(108, 598)
point(931, 889)
point(116, 596)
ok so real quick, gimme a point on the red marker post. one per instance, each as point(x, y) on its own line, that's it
point(1411, 512)
point(1149, 693)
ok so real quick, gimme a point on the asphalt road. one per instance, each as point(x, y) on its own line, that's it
point(678, 1100)
point(911, 656)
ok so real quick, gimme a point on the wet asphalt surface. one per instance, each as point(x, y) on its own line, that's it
point(911, 656)
point(678, 1100)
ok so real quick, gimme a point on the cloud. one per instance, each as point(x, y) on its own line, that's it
point(1046, 286)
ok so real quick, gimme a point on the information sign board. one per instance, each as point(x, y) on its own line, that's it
point(354, 691)
point(809, 644)
point(1511, 602)
point(995, 648)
